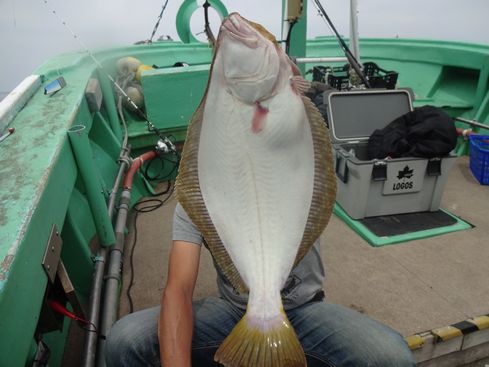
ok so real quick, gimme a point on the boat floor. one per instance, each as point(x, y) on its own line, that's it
point(413, 287)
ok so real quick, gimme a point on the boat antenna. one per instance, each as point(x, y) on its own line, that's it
point(351, 58)
point(139, 112)
point(155, 28)
point(207, 29)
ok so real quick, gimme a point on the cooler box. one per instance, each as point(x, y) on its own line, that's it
point(368, 188)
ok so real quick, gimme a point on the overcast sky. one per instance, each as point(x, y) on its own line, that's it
point(31, 34)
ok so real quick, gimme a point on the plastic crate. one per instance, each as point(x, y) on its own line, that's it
point(334, 76)
point(319, 73)
point(378, 77)
point(339, 78)
point(479, 157)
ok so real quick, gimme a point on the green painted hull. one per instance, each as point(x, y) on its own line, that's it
point(40, 184)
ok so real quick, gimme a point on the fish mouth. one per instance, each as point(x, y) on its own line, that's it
point(238, 28)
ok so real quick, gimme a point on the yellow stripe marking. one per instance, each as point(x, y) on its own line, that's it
point(447, 332)
point(482, 322)
point(414, 341)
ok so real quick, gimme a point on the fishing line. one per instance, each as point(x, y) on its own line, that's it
point(13, 13)
point(151, 127)
point(329, 22)
point(141, 114)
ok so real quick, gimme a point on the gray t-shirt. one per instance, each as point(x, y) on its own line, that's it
point(305, 280)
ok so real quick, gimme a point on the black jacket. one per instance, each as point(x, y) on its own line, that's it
point(425, 132)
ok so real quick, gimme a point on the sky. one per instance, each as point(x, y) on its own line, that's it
point(31, 34)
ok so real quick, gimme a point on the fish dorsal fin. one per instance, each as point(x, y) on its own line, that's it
point(190, 197)
point(324, 192)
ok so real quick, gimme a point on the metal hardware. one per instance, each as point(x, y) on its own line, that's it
point(342, 173)
point(379, 171)
point(434, 167)
point(164, 145)
point(472, 123)
point(161, 147)
point(52, 254)
point(70, 291)
point(59, 287)
point(60, 290)
point(43, 353)
point(306, 60)
point(10, 131)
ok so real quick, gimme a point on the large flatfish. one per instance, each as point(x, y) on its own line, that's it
point(256, 178)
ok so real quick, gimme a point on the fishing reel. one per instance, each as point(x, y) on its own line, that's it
point(164, 146)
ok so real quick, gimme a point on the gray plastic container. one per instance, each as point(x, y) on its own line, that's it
point(368, 188)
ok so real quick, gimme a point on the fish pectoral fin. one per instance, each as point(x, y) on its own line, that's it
point(249, 345)
point(299, 84)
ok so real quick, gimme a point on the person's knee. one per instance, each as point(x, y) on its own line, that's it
point(344, 337)
point(119, 343)
point(395, 355)
point(390, 354)
point(133, 340)
point(382, 348)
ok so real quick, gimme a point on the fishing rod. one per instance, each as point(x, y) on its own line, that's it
point(110, 260)
point(151, 127)
point(472, 123)
point(150, 40)
point(351, 58)
point(207, 27)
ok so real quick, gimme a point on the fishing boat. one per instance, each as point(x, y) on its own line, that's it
point(86, 180)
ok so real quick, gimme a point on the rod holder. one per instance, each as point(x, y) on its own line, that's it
point(80, 146)
point(109, 103)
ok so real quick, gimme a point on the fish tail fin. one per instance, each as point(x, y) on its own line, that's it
point(262, 344)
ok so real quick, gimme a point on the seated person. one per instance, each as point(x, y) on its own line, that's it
point(184, 332)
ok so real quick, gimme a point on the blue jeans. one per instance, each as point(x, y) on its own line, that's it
point(330, 335)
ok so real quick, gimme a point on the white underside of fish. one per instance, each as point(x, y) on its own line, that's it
point(257, 187)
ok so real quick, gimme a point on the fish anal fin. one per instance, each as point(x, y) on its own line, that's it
point(324, 192)
point(190, 197)
point(273, 344)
